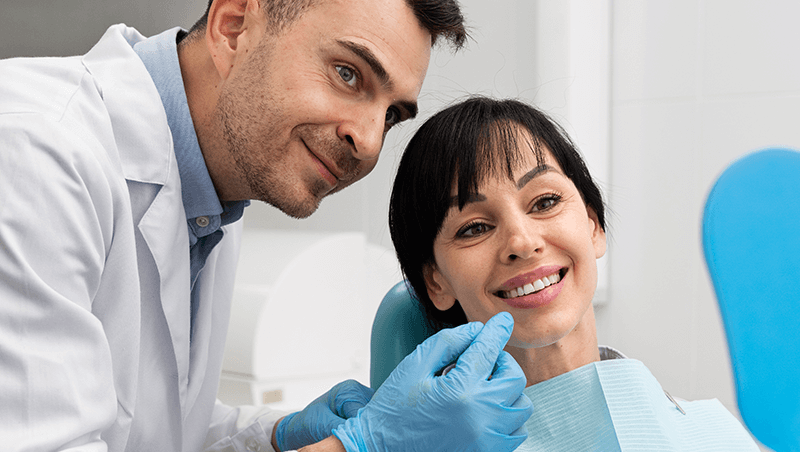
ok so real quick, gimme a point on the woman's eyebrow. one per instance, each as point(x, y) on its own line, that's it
point(538, 171)
point(476, 197)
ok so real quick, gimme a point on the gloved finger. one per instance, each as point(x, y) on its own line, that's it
point(314, 424)
point(348, 397)
point(509, 377)
point(520, 411)
point(521, 432)
point(519, 435)
point(480, 357)
point(509, 420)
point(438, 351)
point(502, 441)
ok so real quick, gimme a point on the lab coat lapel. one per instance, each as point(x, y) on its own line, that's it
point(169, 246)
point(146, 151)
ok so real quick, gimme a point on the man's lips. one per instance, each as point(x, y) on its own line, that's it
point(328, 170)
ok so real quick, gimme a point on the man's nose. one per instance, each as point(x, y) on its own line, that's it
point(364, 131)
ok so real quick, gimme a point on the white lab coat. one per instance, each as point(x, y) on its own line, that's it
point(94, 268)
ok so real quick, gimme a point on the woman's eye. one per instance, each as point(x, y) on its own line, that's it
point(545, 203)
point(392, 117)
point(347, 74)
point(473, 230)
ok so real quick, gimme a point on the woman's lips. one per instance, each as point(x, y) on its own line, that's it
point(534, 289)
point(539, 273)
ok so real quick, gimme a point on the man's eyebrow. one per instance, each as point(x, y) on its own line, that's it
point(372, 61)
point(366, 54)
point(539, 170)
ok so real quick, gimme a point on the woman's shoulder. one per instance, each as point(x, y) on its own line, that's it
point(607, 353)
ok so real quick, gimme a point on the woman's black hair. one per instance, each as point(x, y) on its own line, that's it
point(465, 144)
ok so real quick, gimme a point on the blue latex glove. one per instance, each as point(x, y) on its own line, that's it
point(477, 406)
point(320, 417)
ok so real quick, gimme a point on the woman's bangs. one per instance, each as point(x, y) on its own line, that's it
point(499, 151)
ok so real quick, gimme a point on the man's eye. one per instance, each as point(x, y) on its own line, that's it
point(347, 74)
point(392, 117)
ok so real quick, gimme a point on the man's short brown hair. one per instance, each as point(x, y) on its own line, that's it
point(439, 17)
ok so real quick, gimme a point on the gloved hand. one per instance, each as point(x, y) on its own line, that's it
point(477, 406)
point(320, 417)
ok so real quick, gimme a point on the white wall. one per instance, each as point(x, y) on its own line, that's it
point(72, 27)
point(695, 85)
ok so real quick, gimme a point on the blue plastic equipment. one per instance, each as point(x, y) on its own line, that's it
point(751, 239)
point(398, 328)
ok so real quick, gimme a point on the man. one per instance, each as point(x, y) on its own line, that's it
point(123, 174)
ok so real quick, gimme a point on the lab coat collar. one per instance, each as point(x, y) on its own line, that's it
point(144, 136)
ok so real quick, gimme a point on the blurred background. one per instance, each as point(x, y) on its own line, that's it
point(659, 96)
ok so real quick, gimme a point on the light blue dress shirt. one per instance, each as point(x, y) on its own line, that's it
point(205, 214)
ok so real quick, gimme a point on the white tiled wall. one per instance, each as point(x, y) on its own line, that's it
point(695, 85)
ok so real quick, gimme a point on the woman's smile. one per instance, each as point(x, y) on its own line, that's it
point(536, 293)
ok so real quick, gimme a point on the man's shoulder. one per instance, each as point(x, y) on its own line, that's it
point(40, 85)
point(51, 85)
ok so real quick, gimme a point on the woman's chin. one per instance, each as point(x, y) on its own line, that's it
point(532, 342)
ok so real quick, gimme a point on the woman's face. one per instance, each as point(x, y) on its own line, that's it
point(527, 246)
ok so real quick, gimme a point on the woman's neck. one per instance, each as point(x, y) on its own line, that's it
point(572, 351)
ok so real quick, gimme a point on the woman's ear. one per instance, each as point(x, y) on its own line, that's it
point(233, 26)
point(597, 233)
point(439, 289)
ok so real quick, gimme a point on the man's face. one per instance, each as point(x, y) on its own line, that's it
point(305, 113)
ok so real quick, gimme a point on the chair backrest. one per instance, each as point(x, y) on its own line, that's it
point(751, 240)
point(398, 328)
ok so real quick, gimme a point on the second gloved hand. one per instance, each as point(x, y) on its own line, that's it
point(477, 406)
point(320, 417)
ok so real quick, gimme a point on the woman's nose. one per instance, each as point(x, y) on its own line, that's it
point(364, 131)
point(522, 241)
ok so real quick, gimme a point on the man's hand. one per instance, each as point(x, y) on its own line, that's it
point(320, 417)
point(477, 406)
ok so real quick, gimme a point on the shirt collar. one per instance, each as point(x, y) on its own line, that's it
point(159, 54)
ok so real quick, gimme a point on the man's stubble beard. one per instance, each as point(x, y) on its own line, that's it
point(243, 104)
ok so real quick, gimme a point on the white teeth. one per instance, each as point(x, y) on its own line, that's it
point(535, 286)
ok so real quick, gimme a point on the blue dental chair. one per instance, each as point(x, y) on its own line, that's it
point(398, 328)
point(751, 240)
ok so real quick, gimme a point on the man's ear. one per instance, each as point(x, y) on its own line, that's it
point(233, 26)
point(597, 233)
point(439, 289)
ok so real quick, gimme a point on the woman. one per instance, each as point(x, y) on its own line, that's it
point(494, 210)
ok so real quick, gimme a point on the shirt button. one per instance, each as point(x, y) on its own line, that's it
point(202, 221)
point(252, 445)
